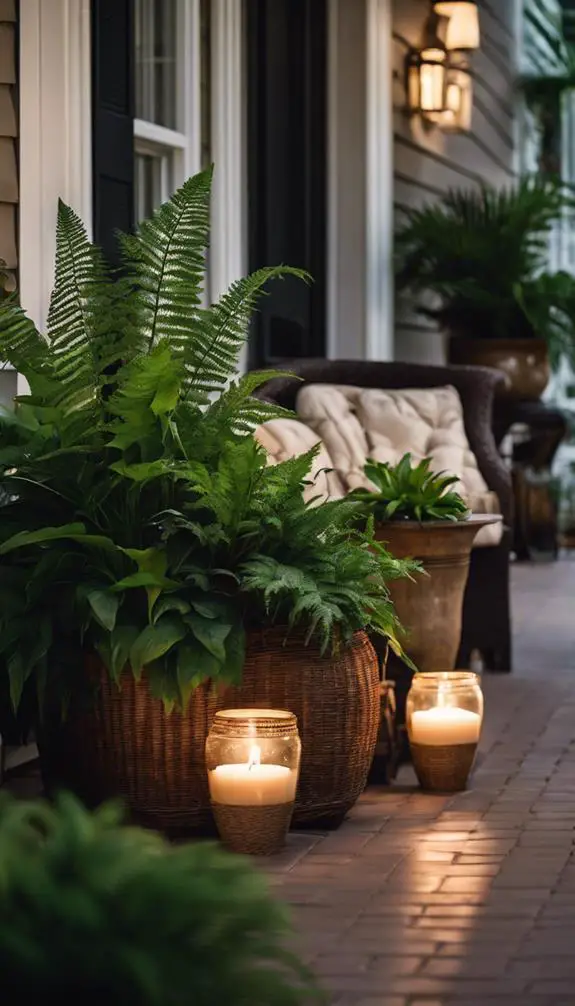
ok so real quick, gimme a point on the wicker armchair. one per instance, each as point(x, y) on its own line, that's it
point(486, 615)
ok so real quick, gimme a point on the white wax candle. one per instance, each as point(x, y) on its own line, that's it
point(252, 784)
point(444, 725)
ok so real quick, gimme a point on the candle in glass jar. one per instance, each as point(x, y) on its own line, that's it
point(252, 784)
point(444, 724)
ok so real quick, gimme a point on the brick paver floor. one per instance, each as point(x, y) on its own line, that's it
point(468, 900)
point(465, 901)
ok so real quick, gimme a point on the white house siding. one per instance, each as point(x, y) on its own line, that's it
point(429, 161)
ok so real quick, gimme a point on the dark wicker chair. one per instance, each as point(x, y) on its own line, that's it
point(486, 615)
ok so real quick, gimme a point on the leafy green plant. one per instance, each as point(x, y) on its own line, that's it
point(481, 255)
point(95, 912)
point(411, 492)
point(544, 92)
point(138, 517)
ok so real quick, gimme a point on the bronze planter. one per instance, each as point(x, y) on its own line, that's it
point(430, 606)
point(524, 362)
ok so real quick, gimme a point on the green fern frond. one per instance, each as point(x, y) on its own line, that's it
point(221, 330)
point(236, 409)
point(21, 344)
point(166, 262)
point(149, 388)
point(80, 277)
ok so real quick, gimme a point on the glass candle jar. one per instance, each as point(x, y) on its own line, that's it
point(444, 715)
point(253, 759)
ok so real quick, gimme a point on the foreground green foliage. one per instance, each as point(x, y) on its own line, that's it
point(411, 492)
point(138, 517)
point(483, 254)
point(96, 913)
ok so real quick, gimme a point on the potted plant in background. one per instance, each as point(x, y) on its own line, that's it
point(544, 94)
point(417, 513)
point(477, 262)
point(146, 543)
point(133, 920)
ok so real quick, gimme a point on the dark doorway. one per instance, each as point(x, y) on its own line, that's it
point(287, 124)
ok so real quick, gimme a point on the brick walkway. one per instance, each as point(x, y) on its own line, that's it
point(465, 901)
point(469, 900)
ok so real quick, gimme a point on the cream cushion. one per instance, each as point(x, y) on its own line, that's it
point(355, 424)
point(287, 438)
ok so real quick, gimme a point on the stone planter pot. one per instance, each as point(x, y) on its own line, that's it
point(430, 606)
point(524, 362)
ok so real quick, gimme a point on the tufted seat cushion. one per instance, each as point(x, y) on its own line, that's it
point(354, 424)
point(287, 438)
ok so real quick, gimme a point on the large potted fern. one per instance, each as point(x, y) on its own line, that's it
point(477, 263)
point(98, 913)
point(146, 544)
point(419, 514)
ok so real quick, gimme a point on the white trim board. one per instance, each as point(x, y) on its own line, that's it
point(228, 244)
point(55, 135)
point(379, 164)
point(360, 181)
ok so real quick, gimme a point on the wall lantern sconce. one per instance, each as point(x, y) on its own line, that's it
point(439, 79)
point(426, 76)
point(462, 31)
point(456, 114)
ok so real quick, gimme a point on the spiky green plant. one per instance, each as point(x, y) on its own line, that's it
point(411, 492)
point(95, 912)
point(483, 256)
point(137, 514)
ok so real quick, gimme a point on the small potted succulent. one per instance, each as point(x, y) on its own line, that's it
point(98, 913)
point(419, 514)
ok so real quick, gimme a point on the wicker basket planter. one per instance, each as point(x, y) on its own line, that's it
point(126, 745)
point(336, 701)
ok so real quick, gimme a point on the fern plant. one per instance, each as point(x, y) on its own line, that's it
point(476, 260)
point(411, 492)
point(138, 518)
point(96, 912)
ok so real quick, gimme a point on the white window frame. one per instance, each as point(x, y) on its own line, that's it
point(181, 146)
point(228, 243)
point(56, 133)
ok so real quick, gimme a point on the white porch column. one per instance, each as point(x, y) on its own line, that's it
point(379, 164)
point(55, 135)
point(228, 252)
point(360, 180)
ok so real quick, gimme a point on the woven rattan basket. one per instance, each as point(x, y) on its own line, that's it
point(126, 745)
point(336, 701)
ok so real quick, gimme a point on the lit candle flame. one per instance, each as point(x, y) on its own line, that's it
point(254, 756)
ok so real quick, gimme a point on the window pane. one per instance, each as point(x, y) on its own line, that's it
point(150, 182)
point(156, 61)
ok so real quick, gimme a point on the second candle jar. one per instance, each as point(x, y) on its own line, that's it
point(444, 716)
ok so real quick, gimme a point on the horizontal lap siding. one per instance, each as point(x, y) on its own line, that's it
point(9, 175)
point(8, 135)
point(428, 161)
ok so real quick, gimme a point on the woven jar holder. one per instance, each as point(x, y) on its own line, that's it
point(254, 830)
point(443, 768)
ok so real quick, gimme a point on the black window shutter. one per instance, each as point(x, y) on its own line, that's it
point(112, 120)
